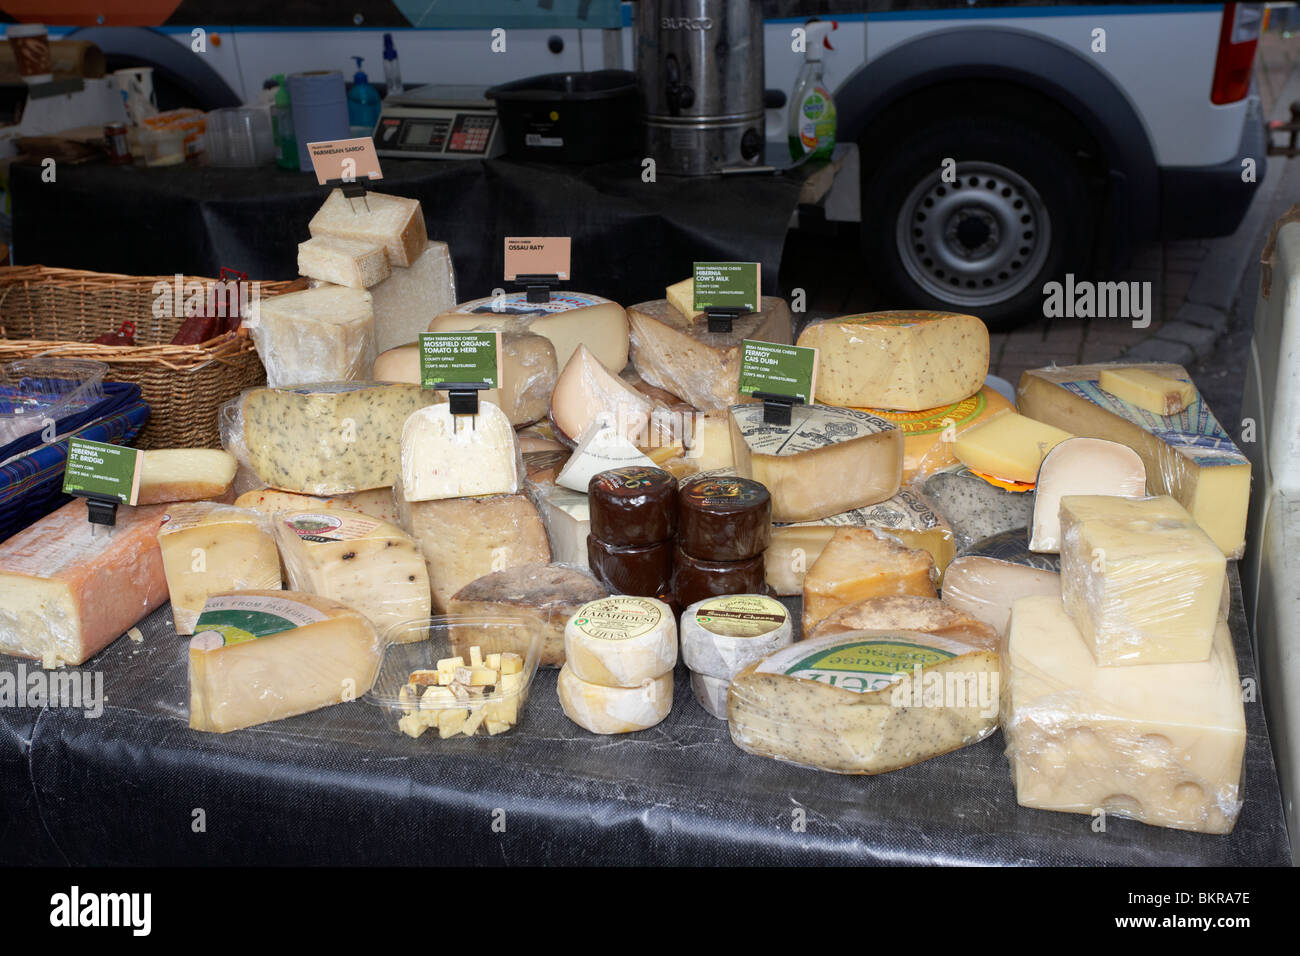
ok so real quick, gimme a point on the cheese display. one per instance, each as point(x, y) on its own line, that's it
point(865, 702)
point(601, 449)
point(568, 319)
point(326, 334)
point(588, 395)
point(679, 354)
point(928, 434)
point(973, 508)
point(614, 710)
point(1010, 447)
point(455, 456)
point(208, 548)
point(1158, 394)
point(909, 613)
point(377, 502)
point(394, 222)
point(903, 360)
point(1188, 456)
point(566, 514)
point(1081, 466)
point(540, 596)
point(347, 262)
point(258, 656)
point(711, 693)
point(1140, 579)
point(986, 588)
point(721, 636)
point(67, 592)
point(857, 564)
point(621, 641)
point(803, 465)
point(363, 562)
point(407, 300)
point(633, 506)
point(1160, 743)
point(184, 474)
point(322, 440)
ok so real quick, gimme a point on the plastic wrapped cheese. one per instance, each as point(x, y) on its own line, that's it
point(184, 474)
point(614, 710)
point(407, 300)
point(621, 641)
point(908, 612)
point(973, 508)
point(986, 588)
point(1081, 466)
point(711, 692)
point(326, 334)
point(721, 636)
point(456, 456)
point(858, 564)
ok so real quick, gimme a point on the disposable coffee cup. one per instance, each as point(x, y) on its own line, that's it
point(31, 45)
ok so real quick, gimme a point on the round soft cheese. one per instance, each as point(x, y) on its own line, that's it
point(614, 710)
point(711, 692)
point(621, 641)
point(721, 636)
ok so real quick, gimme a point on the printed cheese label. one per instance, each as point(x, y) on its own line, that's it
point(906, 511)
point(932, 420)
point(635, 478)
point(811, 427)
point(618, 618)
point(516, 303)
point(101, 470)
point(323, 528)
point(774, 369)
point(724, 493)
point(741, 615)
point(183, 515)
point(857, 665)
point(236, 618)
point(456, 357)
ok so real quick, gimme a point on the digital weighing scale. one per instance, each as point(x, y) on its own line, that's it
point(439, 122)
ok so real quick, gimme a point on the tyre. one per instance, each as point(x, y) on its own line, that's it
point(982, 236)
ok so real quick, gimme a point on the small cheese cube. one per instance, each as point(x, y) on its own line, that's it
point(450, 722)
point(482, 676)
point(497, 726)
point(477, 715)
point(423, 677)
point(511, 663)
point(476, 656)
point(494, 661)
point(449, 664)
point(412, 726)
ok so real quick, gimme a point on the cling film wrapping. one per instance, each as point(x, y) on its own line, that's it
point(325, 334)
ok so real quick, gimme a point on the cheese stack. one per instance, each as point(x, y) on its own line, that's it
point(724, 526)
point(618, 674)
point(633, 514)
point(723, 635)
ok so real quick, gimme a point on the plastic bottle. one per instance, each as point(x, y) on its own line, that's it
point(812, 110)
point(286, 147)
point(392, 72)
point(363, 103)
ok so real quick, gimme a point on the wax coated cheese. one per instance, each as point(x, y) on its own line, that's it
point(721, 636)
point(454, 456)
point(347, 262)
point(1161, 743)
point(865, 701)
point(587, 395)
point(407, 300)
point(394, 222)
point(614, 710)
point(857, 564)
point(184, 474)
point(258, 656)
point(1158, 394)
point(377, 502)
point(806, 465)
point(909, 613)
point(928, 435)
point(1187, 456)
point(901, 360)
point(1140, 579)
point(1082, 466)
point(567, 517)
point(621, 641)
point(711, 692)
point(1009, 447)
point(986, 588)
point(326, 334)
point(208, 548)
point(68, 588)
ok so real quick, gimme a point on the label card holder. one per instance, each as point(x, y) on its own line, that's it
point(105, 475)
point(724, 291)
point(782, 376)
point(461, 364)
point(538, 263)
point(346, 165)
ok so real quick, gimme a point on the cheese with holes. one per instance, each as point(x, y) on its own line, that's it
point(258, 656)
point(805, 464)
point(184, 474)
point(1010, 447)
point(986, 588)
point(567, 517)
point(1081, 466)
point(865, 701)
point(377, 502)
point(1162, 743)
point(621, 641)
point(407, 300)
point(1187, 456)
point(909, 613)
point(614, 710)
point(857, 564)
point(1140, 579)
point(394, 222)
point(587, 395)
point(1158, 394)
point(721, 636)
point(928, 435)
point(455, 456)
point(326, 334)
point(903, 360)
point(680, 355)
point(363, 562)
point(208, 548)
point(347, 262)
point(68, 589)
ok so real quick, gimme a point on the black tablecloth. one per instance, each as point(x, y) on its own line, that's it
point(630, 237)
point(339, 787)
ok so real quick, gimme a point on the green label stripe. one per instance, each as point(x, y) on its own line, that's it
point(870, 657)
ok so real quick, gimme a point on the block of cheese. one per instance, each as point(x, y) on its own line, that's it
point(1010, 447)
point(909, 613)
point(707, 440)
point(681, 296)
point(326, 440)
point(1162, 743)
point(394, 222)
point(928, 435)
point(986, 588)
point(903, 360)
point(601, 450)
point(621, 641)
point(680, 355)
point(1187, 456)
point(208, 548)
point(543, 596)
point(804, 464)
point(907, 516)
point(455, 456)
point(68, 589)
point(365, 563)
point(858, 563)
point(588, 394)
point(567, 517)
point(1158, 394)
point(865, 701)
point(711, 692)
point(973, 508)
point(407, 300)
point(1082, 466)
point(377, 502)
point(185, 474)
point(1140, 579)
point(568, 319)
point(354, 263)
point(258, 656)
point(614, 710)
point(326, 334)
point(721, 636)
point(466, 538)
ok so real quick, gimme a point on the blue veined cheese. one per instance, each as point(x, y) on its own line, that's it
point(866, 701)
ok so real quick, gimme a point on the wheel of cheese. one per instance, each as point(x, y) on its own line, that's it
point(621, 641)
point(711, 692)
point(614, 710)
point(721, 636)
point(694, 580)
point(645, 570)
point(724, 518)
point(633, 506)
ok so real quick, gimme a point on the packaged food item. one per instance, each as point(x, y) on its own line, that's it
point(601, 709)
point(909, 613)
point(645, 570)
point(588, 395)
point(394, 222)
point(409, 298)
point(184, 474)
point(695, 579)
point(929, 434)
point(376, 502)
point(633, 506)
point(711, 692)
point(566, 515)
point(326, 334)
point(724, 518)
point(1081, 466)
point(721, 636)
point(601, 449)
point(986, 588)
point(973, 508)
point(621, 641)
point(1009, 447)
point(858, 564)
point(456, 456)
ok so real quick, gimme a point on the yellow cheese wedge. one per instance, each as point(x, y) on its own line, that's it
point(858, 564)
point(1010, 447)
point(1158, 394)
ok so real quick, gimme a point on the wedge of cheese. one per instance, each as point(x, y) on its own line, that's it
point(986, 588)
point(1010, 447)
point(928, 435)
point(377, 502)
point(588, 395)
point(1081, 466)
point(326, 334)
point(857, 564)
point(566, 515)
point(347, 262)
point(909, 613)
point(1158, 394)
point(407, 300)
point(394, 222)
point(455, 456)
point(185, 474)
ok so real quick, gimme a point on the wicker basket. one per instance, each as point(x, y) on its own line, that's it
point(46, 311)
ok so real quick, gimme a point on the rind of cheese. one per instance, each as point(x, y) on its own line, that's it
point(909, 613)
point(587, 395)
point(1081, 466)
point(986, 588)
point(711, 693)
point(455, 456)
point(1158, 394)
point(347, 262)
point(406, 301)
point(185, 474)
point(928, 435)
point(973, 508)
point(326, 334)
point(1010, 447)
point(377, 502)
point(68, 588)
point(614, 710)
point(865, 702)
point(621, 641)
point(1162, 744)
point(680, 355)
point(857, 564)
point(721, 636)
point(1140, 579)
point(394, 222)
point(805, 464)
point(903, 360)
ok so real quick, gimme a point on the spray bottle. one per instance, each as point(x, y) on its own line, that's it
point(812, 111)
point(363, 103)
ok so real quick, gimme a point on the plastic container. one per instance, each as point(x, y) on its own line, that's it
point(38, 390)
point(570, 117)
point(240, 136)
point(363, 103)
point(420, 644)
